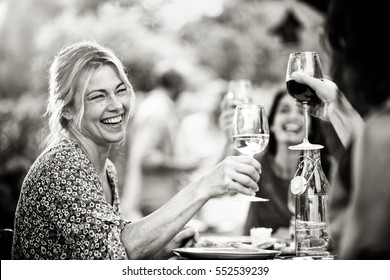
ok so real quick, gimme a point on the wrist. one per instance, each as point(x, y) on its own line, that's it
point(199, 191)
point(344, 118)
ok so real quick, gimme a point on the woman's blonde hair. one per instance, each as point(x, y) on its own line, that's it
point(73, 62)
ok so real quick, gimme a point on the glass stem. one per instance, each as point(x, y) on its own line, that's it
point(305, 120)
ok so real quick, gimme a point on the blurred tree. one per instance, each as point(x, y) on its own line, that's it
point(288, 28)
point(22, 22)
point(237, 43)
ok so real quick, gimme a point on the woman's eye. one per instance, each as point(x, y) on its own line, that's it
point(284, 110)
point(97, 96)
point(121, 90)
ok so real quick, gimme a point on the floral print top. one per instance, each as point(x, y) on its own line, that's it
point(62, 212)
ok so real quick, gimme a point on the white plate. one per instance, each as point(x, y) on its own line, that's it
point(225, 253)
point(227, 238)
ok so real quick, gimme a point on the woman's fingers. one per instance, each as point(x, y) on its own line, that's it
point(236, 187)
point(244, 174)
point(325, 89)
point(247, 165)
point(187, 237)
point(246, 160)
point(245, 181)
point(235, 173)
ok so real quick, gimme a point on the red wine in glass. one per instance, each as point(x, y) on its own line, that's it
point(309, 63)
point(302, 93)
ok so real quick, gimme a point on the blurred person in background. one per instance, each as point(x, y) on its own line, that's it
point(360, 198)
point(69, 205)
point(200, 137)
point(279, 164)
point(153, 170)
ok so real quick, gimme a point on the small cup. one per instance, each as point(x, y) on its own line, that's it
point(260, 235)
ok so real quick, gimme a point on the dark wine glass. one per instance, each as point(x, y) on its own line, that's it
point(309, 63)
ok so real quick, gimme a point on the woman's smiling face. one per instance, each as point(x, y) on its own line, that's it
point(288, 126)
point(106, 107)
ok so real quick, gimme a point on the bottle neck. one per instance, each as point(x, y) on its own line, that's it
point(312, 157)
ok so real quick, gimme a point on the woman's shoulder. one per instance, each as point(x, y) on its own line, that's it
point(111, 169)
point(55, 164)
point(64, 154)
point(372, 144)
point(377, 128)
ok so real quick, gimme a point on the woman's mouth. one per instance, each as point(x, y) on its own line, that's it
point(292, 127)
point(112, 121)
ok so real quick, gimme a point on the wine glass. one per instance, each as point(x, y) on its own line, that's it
point(238, 92)
point(250, 133)
point(241, 90)
point(309, 63)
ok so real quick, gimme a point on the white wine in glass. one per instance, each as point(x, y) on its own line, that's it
point(250, 134)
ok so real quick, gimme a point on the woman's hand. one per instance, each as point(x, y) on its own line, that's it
point(187, 237)
point(334, 107)
point(225, 121)
point(235, 173)
point(326, 90)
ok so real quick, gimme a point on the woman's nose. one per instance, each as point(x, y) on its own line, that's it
point(114, 103)
point(296, 114)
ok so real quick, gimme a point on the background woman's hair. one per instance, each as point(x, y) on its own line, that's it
point(357, 33)
point(70, 65)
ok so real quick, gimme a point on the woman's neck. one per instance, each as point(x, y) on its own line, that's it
point(286, 161)
point(95, 153)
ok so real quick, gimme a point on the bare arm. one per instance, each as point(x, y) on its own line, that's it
point(149, 235)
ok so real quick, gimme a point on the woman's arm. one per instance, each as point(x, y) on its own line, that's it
point(149, 235)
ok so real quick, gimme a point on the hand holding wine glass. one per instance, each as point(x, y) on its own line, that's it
point(308, 63)
point(250, 132)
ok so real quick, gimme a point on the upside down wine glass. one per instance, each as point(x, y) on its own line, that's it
point(309, 63)
point(250, 134)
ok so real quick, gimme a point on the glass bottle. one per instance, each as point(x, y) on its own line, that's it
point(311, 189)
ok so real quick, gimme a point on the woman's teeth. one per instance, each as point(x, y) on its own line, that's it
point(291, 127)
point(115, 120)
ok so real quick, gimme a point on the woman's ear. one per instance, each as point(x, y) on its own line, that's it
point(68, 113)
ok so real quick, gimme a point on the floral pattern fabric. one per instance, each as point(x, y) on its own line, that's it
point(62, 212)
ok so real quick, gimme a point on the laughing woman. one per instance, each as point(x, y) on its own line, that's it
point(69, 205)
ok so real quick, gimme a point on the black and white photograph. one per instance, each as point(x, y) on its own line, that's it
point(173, 131)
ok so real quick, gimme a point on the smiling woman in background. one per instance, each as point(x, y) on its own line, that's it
point(69, 205)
